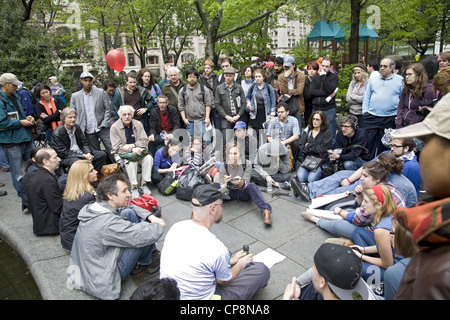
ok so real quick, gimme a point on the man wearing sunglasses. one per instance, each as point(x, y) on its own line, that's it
point(380, 104)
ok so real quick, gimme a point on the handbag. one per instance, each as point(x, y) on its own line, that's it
point(188, 182)
point(291, 102)
point(109, 169)
point(149, 203)
point(311, 163)
point(132, 156)
point(165, 184)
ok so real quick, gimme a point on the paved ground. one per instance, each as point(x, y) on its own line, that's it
point(290, 235)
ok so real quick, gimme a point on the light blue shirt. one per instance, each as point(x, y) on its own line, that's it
point(382, 95)
point(91, 121)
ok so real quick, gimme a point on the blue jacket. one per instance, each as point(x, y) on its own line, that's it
point(11, 131)
point(269, 98)
point(382, 96)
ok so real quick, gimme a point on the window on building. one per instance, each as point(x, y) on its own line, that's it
point(186, 57)
point(131, 61)
point(152, 60)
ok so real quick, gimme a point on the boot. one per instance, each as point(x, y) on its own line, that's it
point(266, 217)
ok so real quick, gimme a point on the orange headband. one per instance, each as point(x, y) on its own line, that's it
point(378, 193)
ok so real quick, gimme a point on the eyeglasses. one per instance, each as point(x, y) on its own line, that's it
point(396, 146)
point(345, 126)
point(384, 66)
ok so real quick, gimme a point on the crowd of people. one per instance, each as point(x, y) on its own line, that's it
point(273, 126)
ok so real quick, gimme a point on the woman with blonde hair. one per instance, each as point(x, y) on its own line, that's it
point(78, 192)
point(356, 91)
point(375, 248)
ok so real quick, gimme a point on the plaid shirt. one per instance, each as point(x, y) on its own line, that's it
point(361, 219)
point(282, 131)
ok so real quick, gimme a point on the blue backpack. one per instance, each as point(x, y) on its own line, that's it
point(26, 98)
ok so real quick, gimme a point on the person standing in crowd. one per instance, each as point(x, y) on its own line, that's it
point(195, 104)
point(441, 82)
point(444, 60)
point(172, 87)
point(200, 263)
point(77, 193)
point(261, 103)
point(136, 96)
point(417, 89)
point(147, 80)
point(43, 194)
point(208, 77)
point(323, 90)
point(373, 68)
point(380, 104)
point(57, 89)
point(109, 86)
point(291, 83)
point(312, 69)
point(93, 107)
point(356, 90)
point(112, 241)
point(426, 276)
point(48, 109)
point(15, 134)
point(166, 75)
point(229, 100)
point(273, 77)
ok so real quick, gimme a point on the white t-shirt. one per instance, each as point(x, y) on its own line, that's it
point(195, 258)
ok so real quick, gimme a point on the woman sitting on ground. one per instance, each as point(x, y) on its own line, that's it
point(78, 192)
point(198, 153)
point(166, 160)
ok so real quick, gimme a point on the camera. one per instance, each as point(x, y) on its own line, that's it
point(427, 103)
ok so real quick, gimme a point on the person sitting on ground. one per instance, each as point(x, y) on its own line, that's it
point(78, 193)
point(285, 128)
point(198, 153)
point(374, 173)
point(426, 276)
point(247, 142)
point(128, 137)
point(235, 174)
point(44, 197)
point(351, 142)
point(315, 141)
point(335, 275)
point(200, 262)
point(71, 145)
point(111, 243)
point(374, 247)
point(157, 289)
point(164, 120)
point(272, 167)
point(167, 160)
point(31, 167)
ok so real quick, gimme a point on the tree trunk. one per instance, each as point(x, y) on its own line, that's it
point(354, 33)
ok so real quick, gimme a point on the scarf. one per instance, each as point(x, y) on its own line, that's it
point(49, 111)
point(428, 221)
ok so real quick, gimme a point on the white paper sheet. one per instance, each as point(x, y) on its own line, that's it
point(326, 199)
point(269, 257)
point(325, 214)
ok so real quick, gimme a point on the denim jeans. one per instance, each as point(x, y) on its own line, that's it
point(130, 256)
point(332, 184)
point(251, 192)
point(15, 155)
point(304, 175)
point(353, 164)
point(338, 228)
point(198, 128)
point(3, 162)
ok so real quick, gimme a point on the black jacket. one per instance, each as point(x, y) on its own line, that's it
point(321, 87)
point(155, 120)
point(45, 202)
point(317, 147)
point(353, 147)
point(61, 143)
point(39, 108)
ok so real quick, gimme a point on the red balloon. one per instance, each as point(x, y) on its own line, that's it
point(116, 59)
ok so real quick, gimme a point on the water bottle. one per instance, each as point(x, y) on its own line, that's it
point(269, 187)
point(172, 187)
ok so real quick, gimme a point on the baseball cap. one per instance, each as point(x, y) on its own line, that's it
point(86, 75)
point(206, 194)
point(269, 64)
point(52, 78)
point(229, 70)
point(240, 125)
point(288, 61)
point(342, 269)
point(436, 122)
point(10, 78)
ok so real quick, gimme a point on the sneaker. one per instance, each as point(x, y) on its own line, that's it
point(285, 185)
point(304, 191)
point(154, 266)
point(339, 241)
point(309, 217)
point(135, 193)
point(295, 184)
point(145, 189)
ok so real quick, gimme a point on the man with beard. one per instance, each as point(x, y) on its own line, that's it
point(273, 76)
point(200, 263)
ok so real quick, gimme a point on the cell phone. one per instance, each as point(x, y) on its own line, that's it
point(236, 178)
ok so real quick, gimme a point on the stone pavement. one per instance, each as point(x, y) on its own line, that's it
point(289, 235)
